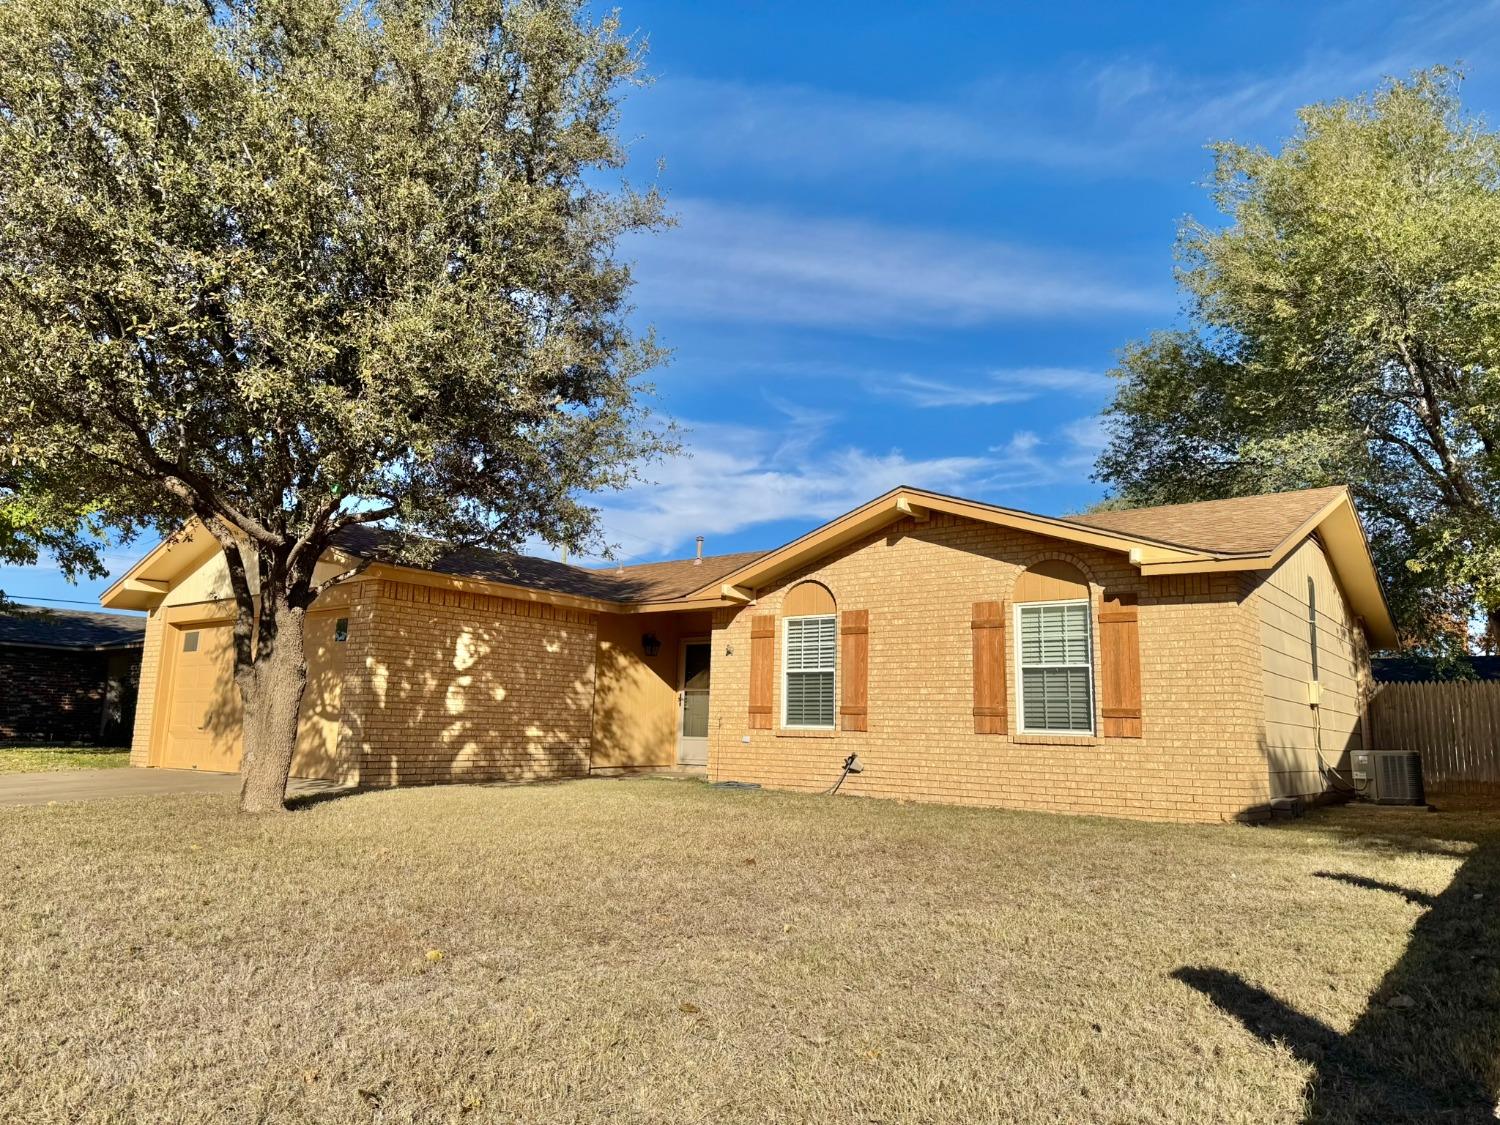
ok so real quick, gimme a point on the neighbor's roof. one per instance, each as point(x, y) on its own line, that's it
point(34, 626)
point(642, 582)
point(1245, 525)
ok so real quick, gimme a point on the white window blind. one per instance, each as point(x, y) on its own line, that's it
point(810, 650)
point(1056, 673)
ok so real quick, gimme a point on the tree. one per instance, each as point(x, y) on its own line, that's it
point(293, 265)
point(1344, 327)
point(35, 520)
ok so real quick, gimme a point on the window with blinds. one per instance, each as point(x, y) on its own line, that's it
point(1055, 669)
point(810, 646)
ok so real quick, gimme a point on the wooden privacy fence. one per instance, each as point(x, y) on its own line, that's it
point(1455, 725)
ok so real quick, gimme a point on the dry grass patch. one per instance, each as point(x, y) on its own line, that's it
point(664, 951)
point(36, 759)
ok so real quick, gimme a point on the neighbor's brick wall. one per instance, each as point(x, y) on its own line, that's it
point(448, 686)
point(1202, 697)
point(52, 695)
point(145, 706)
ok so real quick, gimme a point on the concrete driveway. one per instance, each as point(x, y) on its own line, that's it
point(95, 785)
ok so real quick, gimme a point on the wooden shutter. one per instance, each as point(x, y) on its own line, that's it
point(1120, 666)
point(854, 661)
point(762, 669)
point(988, 629)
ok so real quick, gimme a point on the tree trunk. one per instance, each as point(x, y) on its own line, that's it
point(272, 689)
point(1492, 632)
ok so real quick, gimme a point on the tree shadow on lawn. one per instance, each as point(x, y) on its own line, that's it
point(1427, 1046)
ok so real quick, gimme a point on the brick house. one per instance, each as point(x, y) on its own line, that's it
point(68, 676)
point(1189, 662)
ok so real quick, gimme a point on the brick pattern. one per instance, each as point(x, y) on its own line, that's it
point(63, 695)
point(446, 686)
point(1202, 701)
point(145, 708)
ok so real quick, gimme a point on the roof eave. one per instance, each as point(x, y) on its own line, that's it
point(111, 646)
point(491, 586)
point(673, 605)
point(1348, 548)
point(144, 585)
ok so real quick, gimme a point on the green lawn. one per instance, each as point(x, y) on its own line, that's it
point(668, 952)
point(29, 759)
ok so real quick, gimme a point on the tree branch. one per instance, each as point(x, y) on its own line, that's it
point(339, 579)
point(244, 598)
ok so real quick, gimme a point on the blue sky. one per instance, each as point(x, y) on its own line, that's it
point(912, 238)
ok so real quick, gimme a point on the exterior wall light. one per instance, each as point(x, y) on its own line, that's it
point(650, 644)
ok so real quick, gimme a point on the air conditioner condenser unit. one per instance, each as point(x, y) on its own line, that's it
point(1389, 777)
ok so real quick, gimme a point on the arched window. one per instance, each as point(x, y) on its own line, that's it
point(1054, 650)
point(809, 646)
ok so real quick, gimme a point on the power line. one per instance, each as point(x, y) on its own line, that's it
point(68, 600)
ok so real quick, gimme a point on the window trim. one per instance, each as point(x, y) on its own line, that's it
point(1070, 732)
point(786, 671)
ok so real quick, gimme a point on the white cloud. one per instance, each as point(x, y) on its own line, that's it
point(1026, 461)
point(737, 477)
point(1114, 114)
point(728, 263)
point(1010, 385)
point(1087, 435)
point(808, 131)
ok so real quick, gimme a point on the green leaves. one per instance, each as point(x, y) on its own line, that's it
point(307, 260)
point(1345, 329)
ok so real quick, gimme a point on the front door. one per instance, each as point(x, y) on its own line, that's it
point(692, 739)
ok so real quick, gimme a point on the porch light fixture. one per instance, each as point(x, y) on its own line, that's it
point(650, 644)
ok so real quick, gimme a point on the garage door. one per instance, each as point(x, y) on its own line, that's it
point(205, 712)
point(203, 720)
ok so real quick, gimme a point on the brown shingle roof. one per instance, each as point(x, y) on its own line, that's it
point(643, 582)
point(664, 581)
point(1245, 525)
point(1248, 525)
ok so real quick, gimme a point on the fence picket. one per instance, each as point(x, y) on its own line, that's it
point(1454, 725)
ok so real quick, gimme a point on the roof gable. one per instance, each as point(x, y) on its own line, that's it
point(1246, 533)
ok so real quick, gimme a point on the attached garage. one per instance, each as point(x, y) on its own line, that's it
point(202, 712)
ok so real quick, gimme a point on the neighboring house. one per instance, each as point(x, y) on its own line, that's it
point(1408, 669)
point(68, 675)
point(1184, 662)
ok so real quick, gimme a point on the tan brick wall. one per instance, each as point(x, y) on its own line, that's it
point(449, 686)
point(1202, 698)
point(145, 701)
